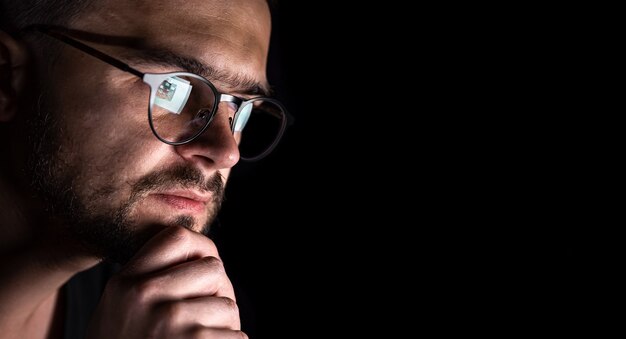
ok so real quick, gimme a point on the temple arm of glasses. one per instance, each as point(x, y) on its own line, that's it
point(87, 49)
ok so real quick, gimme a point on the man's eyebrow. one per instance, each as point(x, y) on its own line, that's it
point(237, 81)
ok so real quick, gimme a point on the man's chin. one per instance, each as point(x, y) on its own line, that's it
point(127, 240)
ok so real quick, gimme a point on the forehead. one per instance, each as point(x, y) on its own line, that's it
point(224, 34)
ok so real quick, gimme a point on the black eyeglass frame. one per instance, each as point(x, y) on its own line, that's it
point(153, 80)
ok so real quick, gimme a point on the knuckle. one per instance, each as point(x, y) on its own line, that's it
point(229, 305)
point(229, 308)
point(176, 234)
point(211, 244)
point(214, 264)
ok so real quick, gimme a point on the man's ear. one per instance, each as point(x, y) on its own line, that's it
point(13, 57)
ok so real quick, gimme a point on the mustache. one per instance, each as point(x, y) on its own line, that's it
point(179, 177)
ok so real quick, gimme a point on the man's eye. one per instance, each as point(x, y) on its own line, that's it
point(202, 114)
point(201, 117)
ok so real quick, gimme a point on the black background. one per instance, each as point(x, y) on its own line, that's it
point(284, 222)
point(293, 228)
point(274, 209)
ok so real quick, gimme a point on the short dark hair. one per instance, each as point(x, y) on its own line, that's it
point(15, 15)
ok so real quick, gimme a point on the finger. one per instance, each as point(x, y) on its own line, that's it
point(171, 246)
point(199, 278)
point(209, 312)
point(215, 333)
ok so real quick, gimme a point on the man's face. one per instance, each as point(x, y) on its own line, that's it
point(96, 160)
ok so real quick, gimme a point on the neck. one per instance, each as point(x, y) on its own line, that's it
point(36, 259)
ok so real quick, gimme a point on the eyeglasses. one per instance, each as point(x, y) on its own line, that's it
point(182, 105)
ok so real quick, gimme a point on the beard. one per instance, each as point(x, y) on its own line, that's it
point(106, 232)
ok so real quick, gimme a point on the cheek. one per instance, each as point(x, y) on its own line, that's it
point(107, 131)
point(104, 138)
point(113, 118)
point(109, 112)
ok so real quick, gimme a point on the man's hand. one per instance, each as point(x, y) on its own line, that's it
point(174, 287)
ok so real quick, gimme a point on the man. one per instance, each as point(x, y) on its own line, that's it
point(119, 124)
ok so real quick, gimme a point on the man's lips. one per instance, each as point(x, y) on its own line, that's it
point(184, 200)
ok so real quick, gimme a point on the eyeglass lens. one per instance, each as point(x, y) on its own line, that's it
point(184, 105)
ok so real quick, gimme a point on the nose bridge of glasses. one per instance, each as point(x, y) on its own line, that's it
point(233, 102)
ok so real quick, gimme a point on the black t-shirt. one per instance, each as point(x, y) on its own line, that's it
point(82, 294)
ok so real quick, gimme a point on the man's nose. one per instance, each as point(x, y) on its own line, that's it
point(216, 148)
